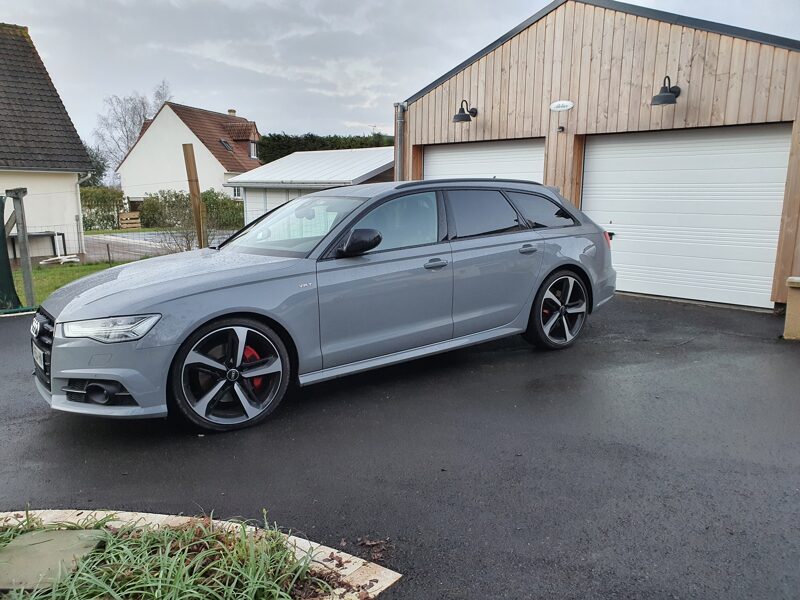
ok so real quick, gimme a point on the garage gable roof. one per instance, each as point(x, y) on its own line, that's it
point(323, 168)
point(641, 11)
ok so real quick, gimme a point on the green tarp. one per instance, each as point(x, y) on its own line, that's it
point(8, 294)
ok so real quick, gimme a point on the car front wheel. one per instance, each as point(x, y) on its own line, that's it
point(230, 374)
point(559, 311)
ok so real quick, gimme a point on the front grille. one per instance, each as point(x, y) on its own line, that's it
point(44, 341)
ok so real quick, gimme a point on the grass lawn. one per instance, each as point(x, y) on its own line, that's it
point(111, 231)
point(47, 279)
point(198, 560)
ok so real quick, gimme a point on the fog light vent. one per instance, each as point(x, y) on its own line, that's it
point(98, 391)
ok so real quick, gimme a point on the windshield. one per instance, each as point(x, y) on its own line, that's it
point(297, 227)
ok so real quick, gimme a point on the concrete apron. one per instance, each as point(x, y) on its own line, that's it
point(361, 575)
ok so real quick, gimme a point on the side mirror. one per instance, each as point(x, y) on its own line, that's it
point(360, 241)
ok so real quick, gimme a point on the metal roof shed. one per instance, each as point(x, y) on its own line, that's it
point(275, 183)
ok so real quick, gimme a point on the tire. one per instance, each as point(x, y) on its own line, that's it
point(229, 374)
point(554, 324)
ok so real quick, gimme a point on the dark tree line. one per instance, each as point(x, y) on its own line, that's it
point(277, 145)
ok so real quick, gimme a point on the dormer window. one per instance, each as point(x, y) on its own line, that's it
point(226, 144)
point(253, 149)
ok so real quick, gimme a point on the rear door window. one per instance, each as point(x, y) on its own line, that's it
point(540, 212)
point(481, 212)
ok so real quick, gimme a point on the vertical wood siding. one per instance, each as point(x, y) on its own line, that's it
point(610, 64)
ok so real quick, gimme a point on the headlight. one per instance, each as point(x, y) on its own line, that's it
point(112, 329)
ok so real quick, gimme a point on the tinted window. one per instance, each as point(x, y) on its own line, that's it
point(481, 212)
point(540, 212)
point(411, 220)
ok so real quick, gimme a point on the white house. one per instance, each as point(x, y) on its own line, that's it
point(225, 145)
point(279, 181)
point(39, 150)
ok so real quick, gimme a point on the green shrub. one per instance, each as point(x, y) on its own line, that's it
point(171, 212)
point(166, 209)
point(101, 207)
point(222, 213)
point(151, 212)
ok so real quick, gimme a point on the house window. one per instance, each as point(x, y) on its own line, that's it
point(253, 149)
point(226, 144)
point(237, 192)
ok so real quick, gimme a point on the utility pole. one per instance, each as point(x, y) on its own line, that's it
point(194, 191)
point(17, 194)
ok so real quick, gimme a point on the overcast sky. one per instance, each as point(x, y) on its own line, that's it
point(326, 66)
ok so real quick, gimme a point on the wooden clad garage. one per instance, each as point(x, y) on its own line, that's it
point(609, 59)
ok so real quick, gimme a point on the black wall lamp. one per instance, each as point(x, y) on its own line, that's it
point(668, 94)
point(465, 113)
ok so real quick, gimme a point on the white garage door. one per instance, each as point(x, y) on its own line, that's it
point(515, 159)
point(696, 213)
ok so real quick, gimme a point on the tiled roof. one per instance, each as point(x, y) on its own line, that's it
point(145, 125)
point(35, 130)
point(214, 128)
point(240, 131)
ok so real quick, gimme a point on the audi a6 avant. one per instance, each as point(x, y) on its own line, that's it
point(331, 283)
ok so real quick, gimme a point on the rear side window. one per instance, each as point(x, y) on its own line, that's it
point(481, 212)
point(540, 212)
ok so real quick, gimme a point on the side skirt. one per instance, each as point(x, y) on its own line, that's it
point(398, 357)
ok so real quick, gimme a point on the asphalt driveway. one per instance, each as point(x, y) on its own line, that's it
point(658, 458)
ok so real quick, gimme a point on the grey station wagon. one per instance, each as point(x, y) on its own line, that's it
point(332, 283)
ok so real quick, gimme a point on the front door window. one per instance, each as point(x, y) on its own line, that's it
point(404, 222)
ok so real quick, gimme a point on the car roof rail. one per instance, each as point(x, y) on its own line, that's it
point(465, 180)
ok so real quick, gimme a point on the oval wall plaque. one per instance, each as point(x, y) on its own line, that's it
point(561, 105)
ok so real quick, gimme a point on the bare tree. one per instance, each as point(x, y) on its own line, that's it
point(161, 94)
point(118, 128)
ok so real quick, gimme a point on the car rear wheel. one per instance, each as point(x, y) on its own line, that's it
point(559, 311)
point(230, 374)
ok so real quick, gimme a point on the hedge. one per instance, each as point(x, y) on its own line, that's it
point(101, 207)
point(173, 209)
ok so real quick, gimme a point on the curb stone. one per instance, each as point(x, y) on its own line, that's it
point(357, 572)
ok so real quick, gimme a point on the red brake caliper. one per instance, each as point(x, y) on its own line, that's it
point(250, 355)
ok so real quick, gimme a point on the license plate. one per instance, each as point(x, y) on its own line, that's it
point(38, 356)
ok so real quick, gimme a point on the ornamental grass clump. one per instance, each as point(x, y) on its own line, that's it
point(195, 560)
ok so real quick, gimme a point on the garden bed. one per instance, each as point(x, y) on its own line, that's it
point(142, 556)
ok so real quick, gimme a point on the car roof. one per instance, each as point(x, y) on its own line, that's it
point(370, 190)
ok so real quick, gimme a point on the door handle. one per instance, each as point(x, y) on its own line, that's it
point(528, 249)
point(435, 263)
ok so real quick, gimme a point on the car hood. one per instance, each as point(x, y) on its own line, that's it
point(132, 287)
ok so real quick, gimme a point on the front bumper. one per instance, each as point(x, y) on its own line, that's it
point(143, 371)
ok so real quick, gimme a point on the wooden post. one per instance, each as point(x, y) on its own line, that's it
point(194, 192)
point(22, 236)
